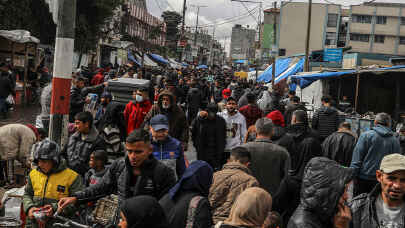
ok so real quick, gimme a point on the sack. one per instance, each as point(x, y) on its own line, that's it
point(10, 100)
point(192, 208)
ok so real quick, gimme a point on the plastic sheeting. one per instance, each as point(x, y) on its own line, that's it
point(202, 67)
point(19, 36)
point(132, 58)
point(307, 79)
point(281, 66)
point(159, 59)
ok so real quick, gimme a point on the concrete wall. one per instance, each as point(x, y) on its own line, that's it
point(388, 47)
point(293, 26)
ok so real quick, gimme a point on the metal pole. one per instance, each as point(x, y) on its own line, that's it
point(62, 73)
point(308, 36)
point(212, 47)
point(25, 97)
point(182, 28)
point(274, 44)
point(357, 92)
point(196, 26)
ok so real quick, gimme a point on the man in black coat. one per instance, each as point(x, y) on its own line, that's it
point(339, 146)
point(209, 137)
point(325, 119)
point(6, 88)
point(139, 173)
point(291, 107)
point(324, 196)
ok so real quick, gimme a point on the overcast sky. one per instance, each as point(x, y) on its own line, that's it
point(218, 10)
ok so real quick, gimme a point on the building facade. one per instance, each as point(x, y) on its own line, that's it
point(243, 43)
point(325, 27)
point(377, 28)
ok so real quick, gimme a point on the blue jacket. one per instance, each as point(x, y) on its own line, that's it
point(170, 149)
point(371, 148)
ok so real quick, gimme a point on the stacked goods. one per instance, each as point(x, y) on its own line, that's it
point(121, 89)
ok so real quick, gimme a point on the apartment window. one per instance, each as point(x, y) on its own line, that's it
point(332, 20)
point(359, 37)
point(402, 20)
point(379, 39)
point(330, 38)
point(365, 19)
point(402, 40)
point(381, 20)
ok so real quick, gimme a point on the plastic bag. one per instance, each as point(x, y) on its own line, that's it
point(10, 100)
point(12, 204)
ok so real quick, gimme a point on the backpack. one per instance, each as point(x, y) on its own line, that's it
point(192, 209)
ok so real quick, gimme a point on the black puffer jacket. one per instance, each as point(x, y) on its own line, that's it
point(339, 147)
point(281, 138)
point(156, 179)
point(77, 151)
point(290, 109)
point(323, 185)
point(363, 209)
point(325, 121)
point(209, 139)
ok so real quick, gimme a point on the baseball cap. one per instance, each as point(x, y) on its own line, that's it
point(392, 163)
point(159, 122)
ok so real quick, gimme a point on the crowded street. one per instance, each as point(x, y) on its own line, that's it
point(202, 114)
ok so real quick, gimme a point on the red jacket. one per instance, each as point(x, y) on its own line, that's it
point(251, 114)
point(135, 113)
point(97, 79)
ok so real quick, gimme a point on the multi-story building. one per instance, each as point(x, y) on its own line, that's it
point(147, 30)
point(292, 30)
point(243, 43)
point(377, 28)
point(267, 32)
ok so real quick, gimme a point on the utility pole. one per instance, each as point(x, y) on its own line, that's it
point(308, 36)
point(182, 27)
point(62, 72)
point(212, 47)
point(259, 23)
point(196, 23)
point(274, 44)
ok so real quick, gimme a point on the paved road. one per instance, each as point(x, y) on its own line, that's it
point(22, 114)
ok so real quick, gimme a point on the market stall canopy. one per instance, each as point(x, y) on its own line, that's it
point(184, 64)
point(306, 79)
point(175, 64)
point(226, 67)
point(202, 67)
point(132, 58)
point(159, 59)
point(19, 36)
point(146, 61)
point(285, 67)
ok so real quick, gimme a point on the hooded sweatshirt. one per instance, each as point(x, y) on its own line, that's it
point(370, 149)
point(323, 184)
point(235, 129)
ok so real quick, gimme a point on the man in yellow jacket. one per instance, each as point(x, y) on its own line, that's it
point(48, 183)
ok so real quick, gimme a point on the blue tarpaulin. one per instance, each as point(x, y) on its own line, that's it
point(240, 61)
point(159, 59)
point(202, 67)
point(305, 80)
point(184, 64)
point(133, 59)
point(291, 70)
point(281, 66)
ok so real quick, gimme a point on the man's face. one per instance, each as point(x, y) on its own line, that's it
point(81, 127)
point(392, 184)
point(231, 106)
point(45, 165)
point(138, 152)
point(159, 135)
point(166, 101)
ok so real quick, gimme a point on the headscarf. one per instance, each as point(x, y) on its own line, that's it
point(144, 212)
point(250, 208)
point(197, 177)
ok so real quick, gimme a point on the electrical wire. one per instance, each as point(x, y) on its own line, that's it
point(157, 3)
point(231, 19)
point(249, 12)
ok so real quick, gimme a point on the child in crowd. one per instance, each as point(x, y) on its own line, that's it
point(98, 160)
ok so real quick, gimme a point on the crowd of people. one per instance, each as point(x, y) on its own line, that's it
point(262, 160)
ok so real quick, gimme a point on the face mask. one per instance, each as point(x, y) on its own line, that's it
point(139, 98)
